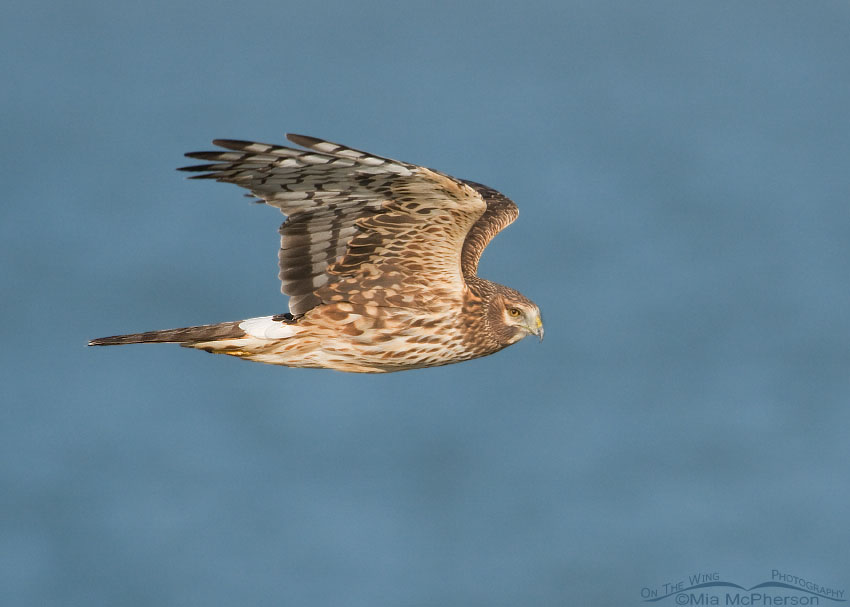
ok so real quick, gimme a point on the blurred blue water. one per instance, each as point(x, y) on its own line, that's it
point(682, 172)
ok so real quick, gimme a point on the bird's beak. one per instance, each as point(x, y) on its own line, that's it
point(538, 328)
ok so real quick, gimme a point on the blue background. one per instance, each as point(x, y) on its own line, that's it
point(682, 172)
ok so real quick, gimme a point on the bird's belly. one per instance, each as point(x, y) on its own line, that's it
point(381, 340)
point(393, 343)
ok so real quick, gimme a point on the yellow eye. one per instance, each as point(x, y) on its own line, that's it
point(514, 312)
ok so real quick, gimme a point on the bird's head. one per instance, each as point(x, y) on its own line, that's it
point(512, 316)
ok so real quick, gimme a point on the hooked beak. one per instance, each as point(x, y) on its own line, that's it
point(538, 328)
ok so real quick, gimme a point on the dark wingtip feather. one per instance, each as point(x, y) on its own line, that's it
point(205, 167)
point(206, 155)
point(200, 168)
point(233, 144)
point(303, 140)
point(201, 176)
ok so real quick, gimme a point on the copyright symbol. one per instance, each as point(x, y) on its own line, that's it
point(682, 599)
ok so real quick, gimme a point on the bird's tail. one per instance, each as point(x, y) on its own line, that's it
point(187, 335)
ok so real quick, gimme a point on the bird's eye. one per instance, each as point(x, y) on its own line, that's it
point(514, 312)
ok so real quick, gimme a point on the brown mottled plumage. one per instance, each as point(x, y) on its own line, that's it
point(378, 257)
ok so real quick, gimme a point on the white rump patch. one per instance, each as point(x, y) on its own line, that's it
point(266, 328)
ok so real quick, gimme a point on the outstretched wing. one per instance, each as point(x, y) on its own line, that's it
point(359, 228)
point(501, 212)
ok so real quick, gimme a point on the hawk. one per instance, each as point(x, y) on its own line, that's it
point(378, 257)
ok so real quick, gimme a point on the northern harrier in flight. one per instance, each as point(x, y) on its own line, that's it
point(378, 257)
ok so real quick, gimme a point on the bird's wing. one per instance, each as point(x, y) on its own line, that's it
point(359, 228)
point(501, 212)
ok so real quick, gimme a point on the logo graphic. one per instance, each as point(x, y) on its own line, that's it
point(709, 589)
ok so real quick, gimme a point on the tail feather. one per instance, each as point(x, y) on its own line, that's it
point(185, 335)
